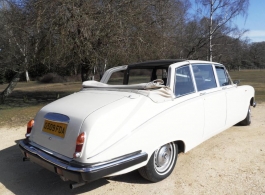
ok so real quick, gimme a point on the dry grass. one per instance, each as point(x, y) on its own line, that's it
point(255, 78)
point(18, 116)
point(28, 98)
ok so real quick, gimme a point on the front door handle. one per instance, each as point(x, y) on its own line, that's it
point(203, 93)
point(223, 88)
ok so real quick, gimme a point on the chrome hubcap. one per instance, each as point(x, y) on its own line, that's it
point(163, 157)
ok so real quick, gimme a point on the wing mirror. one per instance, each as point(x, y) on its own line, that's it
point(236, 82)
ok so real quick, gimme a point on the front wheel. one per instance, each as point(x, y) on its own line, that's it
point(161, 163)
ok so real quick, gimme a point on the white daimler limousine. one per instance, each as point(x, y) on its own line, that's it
point(139, 116)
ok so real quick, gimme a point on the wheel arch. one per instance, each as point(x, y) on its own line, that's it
point(252, 102)
point(181, 146)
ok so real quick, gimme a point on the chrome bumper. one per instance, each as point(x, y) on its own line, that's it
point(77, 171)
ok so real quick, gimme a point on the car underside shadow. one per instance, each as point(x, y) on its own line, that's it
point(28, 178)
point(133, 177)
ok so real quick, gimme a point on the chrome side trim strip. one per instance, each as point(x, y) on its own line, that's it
point(96, 167)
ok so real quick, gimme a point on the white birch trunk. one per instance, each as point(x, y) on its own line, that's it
point(27, 75)
point(211, 33)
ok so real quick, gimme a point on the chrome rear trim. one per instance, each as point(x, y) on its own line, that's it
point(134, 157)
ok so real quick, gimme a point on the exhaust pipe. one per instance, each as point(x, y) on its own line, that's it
point(76, 185)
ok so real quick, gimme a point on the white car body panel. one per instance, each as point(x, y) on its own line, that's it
point(77, 110)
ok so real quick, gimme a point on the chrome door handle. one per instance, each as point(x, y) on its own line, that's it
point(203, 93)
point(223, 88)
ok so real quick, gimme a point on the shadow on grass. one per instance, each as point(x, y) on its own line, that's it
point(28, 178)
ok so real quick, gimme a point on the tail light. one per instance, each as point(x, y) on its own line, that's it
point(29, 127)
point(80, 140)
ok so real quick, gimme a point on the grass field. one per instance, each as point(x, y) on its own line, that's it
point(28, 98)
point(255, 78)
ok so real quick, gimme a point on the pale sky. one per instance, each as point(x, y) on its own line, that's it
point(255, 21)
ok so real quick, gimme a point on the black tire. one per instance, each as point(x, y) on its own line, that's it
point(161, 164)
point(247, 120)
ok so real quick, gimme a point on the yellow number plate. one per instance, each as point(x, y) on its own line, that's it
point(55, 128)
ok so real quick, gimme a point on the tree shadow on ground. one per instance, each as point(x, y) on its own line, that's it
point(28, 178)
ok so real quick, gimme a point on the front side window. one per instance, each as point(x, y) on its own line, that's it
point(222, 76)
point(183, 81)
point(204, 76)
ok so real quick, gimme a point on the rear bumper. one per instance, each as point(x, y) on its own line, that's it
point(76, 171)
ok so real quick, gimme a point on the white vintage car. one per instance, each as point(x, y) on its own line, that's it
point(117, 125)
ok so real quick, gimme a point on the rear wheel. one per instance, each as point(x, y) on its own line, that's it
point(161, 163)
point(247, 120)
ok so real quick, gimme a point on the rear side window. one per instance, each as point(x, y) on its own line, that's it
point(162, 74)
point(139, 76)
point(146, 75)
point(204, 76)
point(116, 78)
point(222, 76)
point(183, 81)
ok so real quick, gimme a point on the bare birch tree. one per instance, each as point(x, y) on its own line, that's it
point(222, 12)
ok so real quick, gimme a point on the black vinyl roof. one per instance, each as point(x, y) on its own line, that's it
point(155, 63)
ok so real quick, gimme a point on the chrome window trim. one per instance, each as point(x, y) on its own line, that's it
point(226, 73)
point(194, 89)
point(109, 72)
point(169, 76)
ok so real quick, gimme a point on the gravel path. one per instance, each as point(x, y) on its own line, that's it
point(232, 162)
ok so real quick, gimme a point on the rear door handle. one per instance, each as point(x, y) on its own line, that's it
point(203, 93)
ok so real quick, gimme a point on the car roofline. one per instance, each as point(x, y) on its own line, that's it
point(159, 63)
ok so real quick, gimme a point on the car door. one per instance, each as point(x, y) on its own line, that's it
point(214, 98)
point(187, 112)
point(236, 109)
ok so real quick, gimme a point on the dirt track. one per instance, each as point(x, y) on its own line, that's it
point(232, 162)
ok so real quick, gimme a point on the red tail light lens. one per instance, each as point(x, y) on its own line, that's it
point(80, 140)
point(29, 127)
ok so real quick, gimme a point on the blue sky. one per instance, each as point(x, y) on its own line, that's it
point(255, 21)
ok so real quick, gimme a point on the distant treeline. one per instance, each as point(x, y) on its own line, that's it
point(81, 37)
